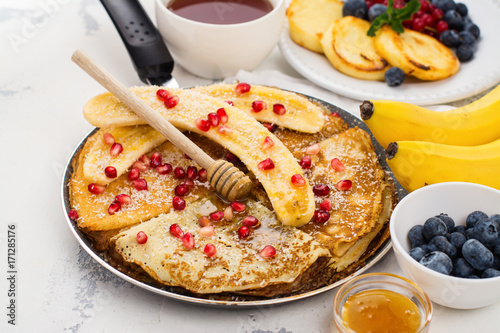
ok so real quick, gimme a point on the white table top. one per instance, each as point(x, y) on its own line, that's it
point(59, 287)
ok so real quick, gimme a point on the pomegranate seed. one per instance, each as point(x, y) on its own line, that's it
point(140, 166)
point(437, 14)
point(266, 164)
point(181, 190)
point(270, 127)
point(96, 188)
point(116, 149)
point(337, 165)
point(188, 240)
point(140, 184)
point(238, 206)
point(213, 119)
point(204, 221)
point(176, 231)
point(313, 149)
point(178, 203)
point(251, 222)
point(73, 214)
point(155, 159)
point(243, 232)
point(114, 207)
point(145, 159)
point(268, 143)
point(210, 250)
point(335, 114)
point(321, 216)
point(305, 162)
point(179, 173)
point(268, 252)
point(279, 109)
point(230, 157)
point(258, 106)
point(223, 129)
point(298, 180)
point(187, 156)
point(229, 102)
point(164, 168)
point(325, 205)
point(321, 190)
point(424, 6)
point(110, 172)
point(418, 24)
point(108, 138)
point(123, 199)
point(441, 26)
point(141, 237)
point(344, 185)
point(428, 20)
point(202, 124)
point(188, 182)
point(202, 175)
point(191, 172)
point(242, 88)
point(171, 101)
point(223, 118)
point(217, 216)
point(162, 94)
point(133, 174)
point(228, 213)
point(207, 231)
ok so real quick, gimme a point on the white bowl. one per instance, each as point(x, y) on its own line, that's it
point(216, 51)
point(457, 199)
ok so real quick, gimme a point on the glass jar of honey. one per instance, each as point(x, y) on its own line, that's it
point(381, 303)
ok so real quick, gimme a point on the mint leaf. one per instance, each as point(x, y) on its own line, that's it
point(394, 17)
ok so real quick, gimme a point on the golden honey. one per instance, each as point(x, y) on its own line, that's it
point(379, 310)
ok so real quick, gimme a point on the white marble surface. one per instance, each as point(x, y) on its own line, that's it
point(59, 288)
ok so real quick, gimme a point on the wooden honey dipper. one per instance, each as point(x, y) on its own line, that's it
point(228, 180)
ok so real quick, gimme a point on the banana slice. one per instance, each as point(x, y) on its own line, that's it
point(417, 54)
point(309, 19)
point(244, 136)
point(300, 114)
point(136, 141)
point(351, 50)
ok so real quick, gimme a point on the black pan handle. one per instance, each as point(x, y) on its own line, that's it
point(148, 52)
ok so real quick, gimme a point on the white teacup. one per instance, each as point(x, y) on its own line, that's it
point(215, 51)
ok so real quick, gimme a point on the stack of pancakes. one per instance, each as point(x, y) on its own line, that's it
point(309, 254)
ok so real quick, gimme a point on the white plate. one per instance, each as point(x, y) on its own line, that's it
point(476, 76)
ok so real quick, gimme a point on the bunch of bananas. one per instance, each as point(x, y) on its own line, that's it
point(426, 147)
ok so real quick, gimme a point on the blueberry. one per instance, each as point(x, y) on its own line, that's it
point(417, 253)
point(472, 277)
point(477, 254)
point(357, 8)
point(487, 232)
point(450, 223)
point(466, 37)
point(465, 52)
point(437, 261)
point(440, 243)
point(444, 5)
point(416, 236)
point(474, 217)
point(461, 268)
point(425, 247)
point(496, 251)
point(462, 9)
point(394, 76)
point(460, 228)
point(495, 218)
point(454, 20)
point(434, 227)
point(376, 10)
point(457, 239)
point(489, 273)
point(450, 38)
point(469, 233)
point(496, 262)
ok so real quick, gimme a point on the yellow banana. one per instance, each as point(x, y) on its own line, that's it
point(418, 163)
point(470, 125)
